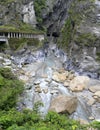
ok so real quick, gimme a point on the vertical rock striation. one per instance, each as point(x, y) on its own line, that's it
point(17, 12)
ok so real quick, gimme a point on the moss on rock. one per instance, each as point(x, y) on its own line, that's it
point(17, 44)
point(85, 39)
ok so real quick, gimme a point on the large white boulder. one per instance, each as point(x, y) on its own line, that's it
point(79, 83)
point(64, 104)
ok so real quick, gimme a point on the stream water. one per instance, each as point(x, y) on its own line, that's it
point(36, 69)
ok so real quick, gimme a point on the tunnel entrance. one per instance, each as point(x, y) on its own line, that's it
point(3, 46)
point(2, 42)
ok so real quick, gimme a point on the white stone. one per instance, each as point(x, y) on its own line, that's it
point(94, 88)
point(29, 14)
point(79, 83)
point(63, 103)
point(97, 94)
point(7, 62)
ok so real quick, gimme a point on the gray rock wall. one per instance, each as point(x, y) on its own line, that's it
point(17, 12)
point(55, 14)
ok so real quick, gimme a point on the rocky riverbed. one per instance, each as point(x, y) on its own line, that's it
point(47, 81)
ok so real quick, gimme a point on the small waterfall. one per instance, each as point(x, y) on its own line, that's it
point(83, 111)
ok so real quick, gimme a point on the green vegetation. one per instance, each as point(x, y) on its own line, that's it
point(6, 1)
point(39, 5)
point(85, 39)
point(77, 13)
point(30, 120)
point(17, 44)
point(20, 27)
point(17, 25)
point(67, 34)
point(11, 119)
point(98, 56)
point(10, 88)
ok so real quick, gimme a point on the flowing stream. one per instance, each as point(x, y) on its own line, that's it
point(36, 70)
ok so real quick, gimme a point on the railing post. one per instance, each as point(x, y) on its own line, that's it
point(16, 35)
point(11, 35)
point(22, 35)
point(19, 35)
point(8, 35)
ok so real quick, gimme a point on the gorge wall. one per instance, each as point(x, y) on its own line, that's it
point(14, 13)
point(72, 34)
point(74, 25)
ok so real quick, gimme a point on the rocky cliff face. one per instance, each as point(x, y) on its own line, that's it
point(76, 23)
point(55, 14)
point(16, 12)
point(42, 70)
point(84, 48)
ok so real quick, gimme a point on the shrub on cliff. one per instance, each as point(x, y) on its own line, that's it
point(10, 88)
point(39, 5)
point(30, 120)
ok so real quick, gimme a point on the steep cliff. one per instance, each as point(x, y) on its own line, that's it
point(55, 15)
point(83, 41)
point(75, 26)
point(16, 13)
point(73, 23)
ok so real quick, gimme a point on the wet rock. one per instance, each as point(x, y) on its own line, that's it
point(28, 87)
point(59, 77)
point(66, 84)
point(54, 84)
point(45, 90)
point(24, 78)
point(32, 74)
point(54, 92)
point(36, 82)
point(71, 76)
point(96, 98)
point(89, 64)
point(91, 102)
point(94, 88)
point(79, 83)
point(91, 118)
point(1, 58)
point(83, 121)
point(7, 62)
point(64, 104)
point(97, 94)
point(83, 110)
point(48, 80)
point(61, 70)
point(22, 72)
point(67, 73)
point(38, 89)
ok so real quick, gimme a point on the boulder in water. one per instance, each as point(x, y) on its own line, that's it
point(59, 77)
point(79, 83)
point(64, 104)
point(94, 88)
